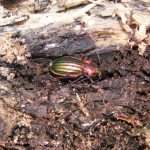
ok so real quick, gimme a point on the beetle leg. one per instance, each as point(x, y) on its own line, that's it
point(98, 57)
point(85, 60)
point(77, 80)
point(100, 76)
point(82, 57)
point(89, 77)
point(91, 80)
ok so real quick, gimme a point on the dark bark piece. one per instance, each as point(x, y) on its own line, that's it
point(54, 42)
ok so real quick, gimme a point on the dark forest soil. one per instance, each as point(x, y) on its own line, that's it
point(111, 113)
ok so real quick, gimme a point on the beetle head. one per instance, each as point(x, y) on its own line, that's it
point(92, 71)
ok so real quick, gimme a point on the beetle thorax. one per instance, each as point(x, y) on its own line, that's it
point(90, 71)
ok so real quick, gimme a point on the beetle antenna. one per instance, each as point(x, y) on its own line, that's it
point(98, 57)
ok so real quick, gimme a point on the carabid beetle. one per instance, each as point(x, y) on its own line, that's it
point(71, 67)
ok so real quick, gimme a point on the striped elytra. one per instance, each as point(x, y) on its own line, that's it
point(67, 66)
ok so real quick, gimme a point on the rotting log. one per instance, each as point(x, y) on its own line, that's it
point(76, 31)
point(48, 30)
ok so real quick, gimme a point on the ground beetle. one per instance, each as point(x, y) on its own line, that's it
point(71, 67)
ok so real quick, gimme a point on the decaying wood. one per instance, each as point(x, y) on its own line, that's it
point(101, 27)
point(34, 32)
